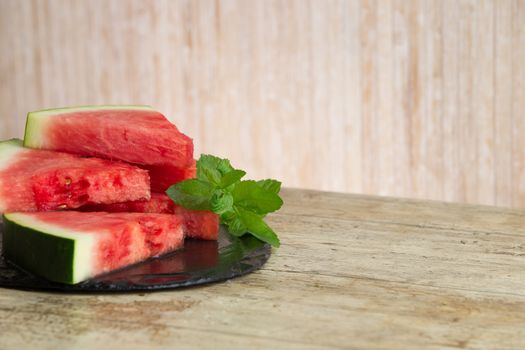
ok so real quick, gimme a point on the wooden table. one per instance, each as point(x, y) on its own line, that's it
point(353, 272)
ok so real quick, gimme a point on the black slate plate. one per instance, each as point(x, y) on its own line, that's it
point(199, 262)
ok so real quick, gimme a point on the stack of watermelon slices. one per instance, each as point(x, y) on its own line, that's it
point(83, 194)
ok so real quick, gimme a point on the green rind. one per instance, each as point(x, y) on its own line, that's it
point(35, 120)
point(46, 255)
point(11, 142)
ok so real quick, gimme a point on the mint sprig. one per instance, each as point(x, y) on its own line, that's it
point(241, 204)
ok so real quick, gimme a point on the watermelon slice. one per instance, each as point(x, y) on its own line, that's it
point(32, 180)
point(134, 134)
point(70, 247)
point(197, 224)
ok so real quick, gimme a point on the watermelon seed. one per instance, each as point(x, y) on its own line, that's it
point(68, 181)
point(62, 206)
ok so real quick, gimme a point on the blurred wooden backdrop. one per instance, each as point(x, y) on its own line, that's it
point(404, 98)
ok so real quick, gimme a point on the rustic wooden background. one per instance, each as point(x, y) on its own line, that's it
point(405, 98)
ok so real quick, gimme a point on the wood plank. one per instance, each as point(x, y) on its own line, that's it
point(503, 133)
point(384, 162)
point(352, 161)
point(466, 123)
point(431, 42)
point(414, 95)
point(404, 176)
point(326, 69)
point(483, 100)
point(370, 138)
point(518, 101)
point(452, 167)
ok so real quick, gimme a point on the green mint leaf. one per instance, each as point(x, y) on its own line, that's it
point(210, 175)
point(223, 165)
point(250, 196)
point(249, 242)
point(233, 222)
point(192, 194)
point(228, 215)
point(207, 161)
point(270, 185)
point(212, 169)
point(221, 202)
point(243, 221)
point(257, 227)
point(236, 226)
point(232, 177)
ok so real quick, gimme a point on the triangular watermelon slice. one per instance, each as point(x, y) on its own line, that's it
point(134, 134)
point(33, 180)
point(70, 247)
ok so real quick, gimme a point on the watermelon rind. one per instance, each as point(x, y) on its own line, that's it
point(9, 149)
point(57, 254)
point(36, 121)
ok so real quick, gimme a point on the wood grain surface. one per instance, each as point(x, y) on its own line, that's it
point(413, 98)
point(353, 272)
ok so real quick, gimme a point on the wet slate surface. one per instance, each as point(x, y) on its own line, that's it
point(199, 262)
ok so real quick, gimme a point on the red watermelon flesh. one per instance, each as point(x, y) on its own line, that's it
point(32, 180)
point(159, 203)
point(163, 176)
point(134, 134)
point(88, 244)
point(197, 224)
